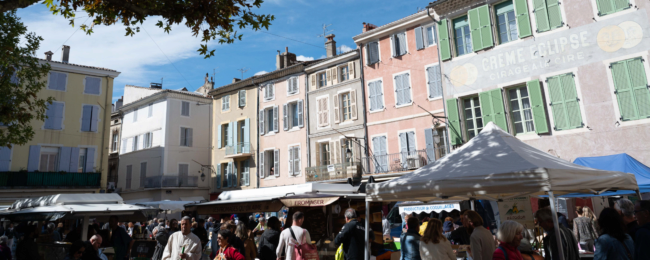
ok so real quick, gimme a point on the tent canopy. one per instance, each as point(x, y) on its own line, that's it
point(496, 165)
point(622, 163)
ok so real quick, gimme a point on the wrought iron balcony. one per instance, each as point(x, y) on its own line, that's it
point(239, 150)
point(49, 180)
point(171, 181)
point(329, 172)
point(396, 162)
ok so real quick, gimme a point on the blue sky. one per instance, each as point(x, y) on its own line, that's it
point(153, 54)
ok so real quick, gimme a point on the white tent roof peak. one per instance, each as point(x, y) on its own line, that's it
point(68, 199)
point(495, 164)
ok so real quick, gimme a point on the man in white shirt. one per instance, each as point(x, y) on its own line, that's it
point(287, 242)
point(184, 239)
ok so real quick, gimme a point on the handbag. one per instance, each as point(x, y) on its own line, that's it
point(304, 251)
point(340, 255)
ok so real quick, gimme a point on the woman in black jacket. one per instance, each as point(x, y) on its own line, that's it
point(270, 240)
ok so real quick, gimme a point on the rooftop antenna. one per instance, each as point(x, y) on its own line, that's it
point(214, 72)
point(243, 70)
point(325, 32)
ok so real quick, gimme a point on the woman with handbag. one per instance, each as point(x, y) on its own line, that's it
point(226, 251)
point(614, 242)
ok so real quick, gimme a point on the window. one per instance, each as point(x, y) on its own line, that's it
point(424, 36)
point(186, 137)
point(564, 102)
point(376, 95)
point(294, 160)
point(143, 174)
point(293, 115)
point(183, 172)
point(407, 146)
point(269, 92)
point(520, 110)
point(89, 118)
point(346, 111)
point(324, 154)
point(135, 115)
point(292, 85)
point(631, 89)
point(429, 33)
point(83, 153)
point(606, 7)
point(269, 162)
point(135, 143)
point(434, 81)
point(225, 103)
point(462, 35)
point(473, 119)
point(547, 15)
point(242, 131)
point(129, 172)
point(344, 73)
point(268, 120)
point(380, 154)
point(372, 52)
point(147, 139)
point(442, 146)
point(245, 172)
point(185, 108)
point(402, 90)
point(93, 86)
point(57, 81)
point(49, 159)
point(322, 79)
point(54, 113)
point(399, 44)
point(150, 110)
point(506, 23)
point(348, 145)
point(242, 98)
point(115, 142)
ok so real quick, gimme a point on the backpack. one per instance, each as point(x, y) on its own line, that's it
point(304, 251)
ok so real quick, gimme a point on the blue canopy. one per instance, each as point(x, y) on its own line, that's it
point(617, 162)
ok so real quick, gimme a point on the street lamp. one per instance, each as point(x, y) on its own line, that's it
point(436, 137)
point(348, 154)
point(202, 175)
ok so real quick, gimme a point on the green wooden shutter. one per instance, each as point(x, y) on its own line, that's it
point(554, 14)
point(492, 108)
point(487, 113)
point(606, 7)
point(620, 5)
point(454, 121)
point(523, 18)
point(443, 40)
point(475, 29)
point(537, 106)
point(557, 103)
point(639, 87)
point(486, 26)
point(541, 15)
point(571, 100)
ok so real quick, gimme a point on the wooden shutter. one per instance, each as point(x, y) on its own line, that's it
point(261, 122)
point(129, 175)
point(337, 151)
point(219, 142)
point(639, 84)
point(74, 158)
point(373, 52)
point(326, 111)
point(523, 18)
point(246, 173)
point(399, 90)
point(313, 81)
point(61, 81)
point(262, 170)
point(492, 108)
point(403, 49)
point(537, 106)
point(90, 160)
point(335, 78)
point(218, 177)
point(300, 113)
point(393, 45)
point(631, 92)
point(353, 104)
point(94, 119)
point(52, 84)
point(86, 114)
point(229, 140)
point(435, 81)
point(554, 14)
point(5, 159)
point(189, 136)
point(372, 96)
point(291, 161)
point(328, 76)
point(351, 69)
point(246, 136)
point(379, 89)
point(285, 117)
point(443, 40)
point(419, 41)
point(276, 162)
point(487, 113)
point(480, 27)
point(230, 174)
point(571, 100)
point(606, 7)
point(564, 102)
point(337, 118)
point(289, 86)
point(406, 87)
point(430, 146)
point(242, 98)
point(297, 161)
point(276, 127)
point(454, 121)
point(64, 159)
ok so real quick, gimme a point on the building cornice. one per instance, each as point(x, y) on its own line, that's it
point(401, 24)
point(164, 95)
point(331, 62)
point(80, 69)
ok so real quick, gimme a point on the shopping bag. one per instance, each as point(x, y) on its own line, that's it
point(339, 253)
point(304, 250)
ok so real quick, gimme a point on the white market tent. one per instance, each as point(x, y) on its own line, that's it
point(496, 165)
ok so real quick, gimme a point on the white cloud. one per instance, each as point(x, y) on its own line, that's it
point(323, 57)
point(261, 73)
point(345, 48)
point(303, 58)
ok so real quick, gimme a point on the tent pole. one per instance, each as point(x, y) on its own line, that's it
point(556, 225)
point(367, 251)
point(84, 236)
point(638, 194)
point(471, 203)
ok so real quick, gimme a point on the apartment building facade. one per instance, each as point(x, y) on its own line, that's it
point(165, 144)
point(68, 153)
point(336, 116)
point(402, 82)
point(567, 77)
point(234, 148)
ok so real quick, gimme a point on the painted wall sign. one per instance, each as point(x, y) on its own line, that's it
point(517, 209)
point(557, 51)
point(429, 208)
point(309, 202)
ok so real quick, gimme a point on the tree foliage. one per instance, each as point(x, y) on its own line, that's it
point(211, 20)
point(21, 76)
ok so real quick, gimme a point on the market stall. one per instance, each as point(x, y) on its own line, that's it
point(495, 165)
point(170, 209)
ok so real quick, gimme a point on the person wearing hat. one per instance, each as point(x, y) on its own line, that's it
point(447, 227)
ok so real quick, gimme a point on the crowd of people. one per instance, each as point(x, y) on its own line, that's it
point(621, 232)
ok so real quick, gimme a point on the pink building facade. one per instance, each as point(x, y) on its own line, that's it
point(403, 89)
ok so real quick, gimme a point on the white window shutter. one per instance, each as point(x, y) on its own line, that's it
point(419, 40)
point(262, 170)
point(313, 81)
point(332, 152)
point(285, 117)
point(336, 109)
point(272, 91)
point(335, 78)
point(326, 111)
point(337, 150)
point(291, 161)
point(298, 156)
point(261, 122)
point(276, 127)
point(329, 77)
point(300, 113)
point(393, 45)
point(353, 104)
point(351, 69)
point(276, 162)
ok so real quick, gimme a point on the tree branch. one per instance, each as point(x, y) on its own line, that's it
point(9, 5)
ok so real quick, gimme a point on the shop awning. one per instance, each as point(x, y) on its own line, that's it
point(310, 200)
point(236, 206)
point(621, 163)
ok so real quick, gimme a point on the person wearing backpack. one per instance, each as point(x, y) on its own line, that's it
point(510, 236)
point(288, 242)
point(614, 242)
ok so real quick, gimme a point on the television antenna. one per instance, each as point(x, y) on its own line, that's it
point(325, 32)
point(243, 70)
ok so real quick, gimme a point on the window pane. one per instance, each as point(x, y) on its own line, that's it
point(430, 35)
point(294, 114)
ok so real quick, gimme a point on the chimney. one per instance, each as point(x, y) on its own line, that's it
point(368, 27)
point(48, 55)
point(65, 55)
point(235, 80)
point(285, 59)
point(330, 45)
point(279, 61)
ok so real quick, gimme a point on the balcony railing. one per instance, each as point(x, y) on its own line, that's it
point(239, 149)
point(13, 180)
point(341, 171)
point(171, 181)
point(396, 162)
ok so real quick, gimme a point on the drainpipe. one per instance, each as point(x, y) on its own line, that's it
point(307, 121)
point(363, 106)
point(257, 112)
point(101, 162)
point(444, 104)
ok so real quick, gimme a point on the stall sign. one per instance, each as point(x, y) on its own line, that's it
point(429, 208)
point(309, 202)
point(517, 209)
point(242, 207)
